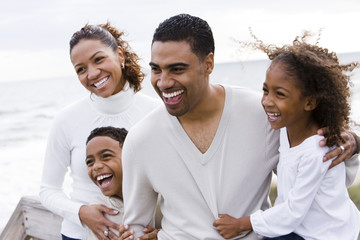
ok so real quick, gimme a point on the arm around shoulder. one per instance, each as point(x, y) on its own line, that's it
point(139, 196)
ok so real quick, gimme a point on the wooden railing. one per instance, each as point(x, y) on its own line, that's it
point(30, 220)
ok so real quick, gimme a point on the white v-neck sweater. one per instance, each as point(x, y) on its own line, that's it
point(232, 177)
point(66, 150)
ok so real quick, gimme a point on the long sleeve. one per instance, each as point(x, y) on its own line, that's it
point(56, 163)
point(139, 198)
point(307, 193)
point(286, 216)
point(352, 166)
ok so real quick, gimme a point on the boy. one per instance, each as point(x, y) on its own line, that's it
point(103, 159)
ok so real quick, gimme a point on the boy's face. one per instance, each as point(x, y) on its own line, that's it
point(103, 159)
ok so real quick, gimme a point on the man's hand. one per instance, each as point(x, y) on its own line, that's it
point(93, 217)
point(350, 147)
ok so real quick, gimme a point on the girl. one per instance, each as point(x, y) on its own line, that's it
point(109, 70)
point(305, 89)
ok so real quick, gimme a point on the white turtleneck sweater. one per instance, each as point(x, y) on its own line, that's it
point(66, 149)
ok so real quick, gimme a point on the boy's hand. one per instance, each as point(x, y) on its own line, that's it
point(125, 234)
point(150, 233)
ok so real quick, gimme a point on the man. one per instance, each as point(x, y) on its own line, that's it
point(210, 151)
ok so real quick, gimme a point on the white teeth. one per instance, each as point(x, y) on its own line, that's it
point(273, 114)
point(99, 178)
point(173, 94)
point(97, 84)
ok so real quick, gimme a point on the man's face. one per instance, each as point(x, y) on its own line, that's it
point(178, 76)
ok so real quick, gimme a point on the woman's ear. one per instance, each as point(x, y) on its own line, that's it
point(311, 103)
point(120, 52)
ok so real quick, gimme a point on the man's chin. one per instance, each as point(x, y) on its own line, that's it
point(175, 112)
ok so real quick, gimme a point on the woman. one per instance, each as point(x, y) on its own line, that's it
point(109, 70)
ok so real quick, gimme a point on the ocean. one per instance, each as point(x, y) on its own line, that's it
point(27, 109)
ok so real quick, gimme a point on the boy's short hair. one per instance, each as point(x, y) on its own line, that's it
point(118, 134)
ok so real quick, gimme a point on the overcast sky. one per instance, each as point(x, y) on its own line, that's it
point(34, 34)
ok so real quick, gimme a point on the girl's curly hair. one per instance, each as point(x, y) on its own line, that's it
point(112, 37)
point(321, 76)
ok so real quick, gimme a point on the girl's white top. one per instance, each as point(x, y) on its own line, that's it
point(312, 200)
point(66, 151)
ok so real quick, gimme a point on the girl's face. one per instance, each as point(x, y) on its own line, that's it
point(98, 67)
point(282, 99)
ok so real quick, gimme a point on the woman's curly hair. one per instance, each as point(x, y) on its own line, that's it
point(112, 37)
point(321, 76)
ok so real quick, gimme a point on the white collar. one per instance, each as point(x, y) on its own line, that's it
point(114, 104)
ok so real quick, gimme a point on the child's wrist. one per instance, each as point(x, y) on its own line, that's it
point(244, 224)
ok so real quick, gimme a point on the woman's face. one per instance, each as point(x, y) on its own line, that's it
point(98, 67)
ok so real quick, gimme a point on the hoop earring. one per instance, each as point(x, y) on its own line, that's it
point(92, 97)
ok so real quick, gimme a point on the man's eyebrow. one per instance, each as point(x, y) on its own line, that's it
point(177, 64)
point(153, 64)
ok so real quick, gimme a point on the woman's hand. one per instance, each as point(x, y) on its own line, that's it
point(93, 217)
point(345, 150)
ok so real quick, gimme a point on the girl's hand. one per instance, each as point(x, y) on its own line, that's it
point(230, 227)
point(93, 217)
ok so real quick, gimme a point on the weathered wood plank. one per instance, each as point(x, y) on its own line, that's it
point(15, 228)
point(31, 219)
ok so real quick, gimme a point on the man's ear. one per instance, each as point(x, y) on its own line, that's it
point(209, 63)
point(310, 104)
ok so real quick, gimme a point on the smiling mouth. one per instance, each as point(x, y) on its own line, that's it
point(173, 98)
point(273, 116)
point(101, 83)
point(104, 180)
